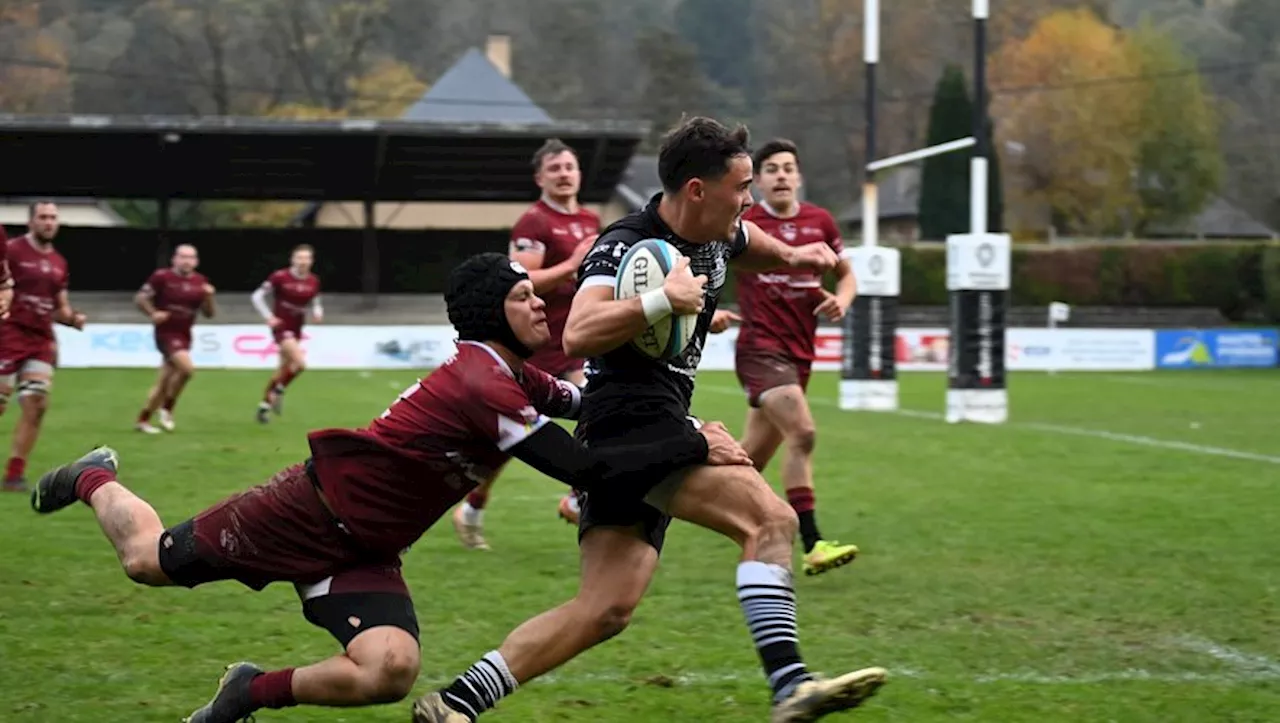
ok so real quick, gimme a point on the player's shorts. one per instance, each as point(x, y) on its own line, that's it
point(603, 509)
point(170, 342)
point(761, 370)
point(283, 532)
point(286, 332)
point(23, 350)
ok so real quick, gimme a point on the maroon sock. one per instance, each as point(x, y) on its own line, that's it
point(478, 499)
point(169, 403)
point(90, 481)
point(273, 690)
point(287, 378)
point(144, 416)
point(15, 468)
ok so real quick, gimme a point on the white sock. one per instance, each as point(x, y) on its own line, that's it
point(471, 515)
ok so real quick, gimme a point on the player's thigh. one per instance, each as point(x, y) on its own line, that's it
point(788, 410)
point(291, 353)
point(180, 362)
point(733, 500)
point(618, 564)
point(369, 611)
point(34, 382)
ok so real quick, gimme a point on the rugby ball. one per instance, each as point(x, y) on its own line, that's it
point(643, 268)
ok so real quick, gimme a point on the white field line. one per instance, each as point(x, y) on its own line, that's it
point(1245, 663)
point(1135, 439)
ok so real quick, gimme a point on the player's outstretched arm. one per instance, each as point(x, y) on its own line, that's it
point(764, 253)
point(599, 323)
point(554, 452)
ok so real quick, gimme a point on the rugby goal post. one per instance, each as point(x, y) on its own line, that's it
point(868, 375)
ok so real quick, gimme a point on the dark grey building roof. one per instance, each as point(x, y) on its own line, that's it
point(899, 197)
point(639, 181)
point(1220, 219)
point(474, 91)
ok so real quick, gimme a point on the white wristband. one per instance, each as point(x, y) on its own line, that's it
point(656, 305)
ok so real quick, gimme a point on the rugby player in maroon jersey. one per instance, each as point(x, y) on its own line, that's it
point(336, 525)
point(550, 240)
point(6, 279)
point(293, 291)
point(775, 349)
point(170, 298)
point(28, 346)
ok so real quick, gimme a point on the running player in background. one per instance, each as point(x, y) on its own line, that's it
point(292, 291)
point(170, 298)
point(550, 240)
point(336, 525)
point(775, 349)
point(6, 279)
point(28, 346)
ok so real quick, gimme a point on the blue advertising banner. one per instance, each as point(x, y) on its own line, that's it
point(1217, 348)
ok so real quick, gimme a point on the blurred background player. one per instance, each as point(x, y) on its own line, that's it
point(170, 298)
point(336, 525)
point(292, 291)
point(549, 240)
point(28, 346)
point(6, 279)
point(775, 348)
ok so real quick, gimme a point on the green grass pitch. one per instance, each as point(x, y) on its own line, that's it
point(1109, 555)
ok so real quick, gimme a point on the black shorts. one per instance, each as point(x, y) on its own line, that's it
point(346, 602)
point(603, 509)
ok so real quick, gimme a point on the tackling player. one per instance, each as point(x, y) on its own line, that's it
point(336, 525)
point(293, 290)
point(28, 346)
point(170, 298)
point(780, 310)
point(550, 240)
point(705, 169)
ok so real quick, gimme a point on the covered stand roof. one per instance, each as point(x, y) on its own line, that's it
point(315, 160)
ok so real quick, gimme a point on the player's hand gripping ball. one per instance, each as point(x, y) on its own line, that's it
point(644, 268)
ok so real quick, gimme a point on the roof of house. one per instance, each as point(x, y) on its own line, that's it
point(1219, 219)
point(899, 197)
point(473, 90)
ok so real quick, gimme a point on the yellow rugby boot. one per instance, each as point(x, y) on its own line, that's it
point(828, 555)
point(815, 698)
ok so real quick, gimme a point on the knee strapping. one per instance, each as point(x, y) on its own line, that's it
point(33, 388)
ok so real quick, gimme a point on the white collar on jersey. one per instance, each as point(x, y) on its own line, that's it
point(497, 357)
point(769, 210)
point(555, 206)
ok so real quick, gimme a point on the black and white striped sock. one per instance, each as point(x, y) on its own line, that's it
point(481, 687)
point(769, 603)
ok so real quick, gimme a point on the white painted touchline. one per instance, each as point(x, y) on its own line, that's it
point(1136, 439)
point(1244, 662)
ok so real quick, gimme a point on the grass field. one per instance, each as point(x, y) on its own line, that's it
point(1109, 555)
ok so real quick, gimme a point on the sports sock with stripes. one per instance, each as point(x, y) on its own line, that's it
point(481, 687)
point(769, 603)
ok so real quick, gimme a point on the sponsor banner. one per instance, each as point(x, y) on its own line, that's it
point(236, 346)
point(1209, 348)
point(240, 346)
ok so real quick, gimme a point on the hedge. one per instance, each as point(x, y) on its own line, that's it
point(1241, 280)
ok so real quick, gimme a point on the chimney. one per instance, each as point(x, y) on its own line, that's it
point(498, 50)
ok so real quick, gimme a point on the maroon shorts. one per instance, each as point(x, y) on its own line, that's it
point(170, 342)
point(286, 331)
point(19, 345)
point(282, 532)
point(761, 370)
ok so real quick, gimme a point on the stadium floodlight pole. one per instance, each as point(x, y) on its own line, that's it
point(868, 369)
point(978, 277)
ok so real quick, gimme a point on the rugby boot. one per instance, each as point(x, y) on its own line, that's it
point(264, 413)
point(15, 484)
point(568, 510)
point(232, 702)
point(57, 488)
point(431, 708)
point(815, 698)
point(166, 420)
point(828, 555)
point(471, 536)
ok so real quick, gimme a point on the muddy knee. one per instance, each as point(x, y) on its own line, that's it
point(802, 439)
point(609, 619)
point(391, 678)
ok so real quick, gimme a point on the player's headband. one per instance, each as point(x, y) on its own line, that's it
point(476, 300)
